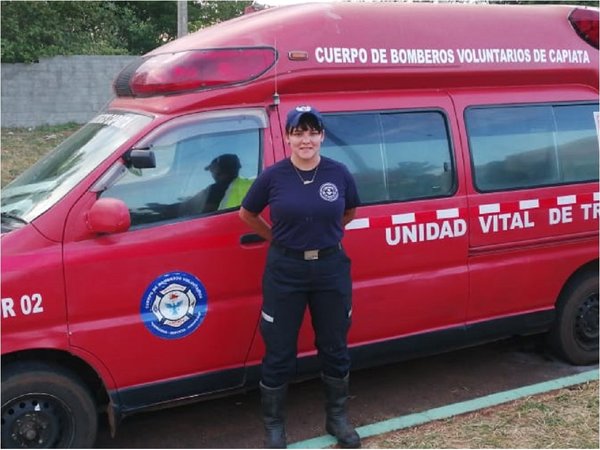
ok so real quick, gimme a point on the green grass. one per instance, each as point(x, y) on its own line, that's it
point(21, 147)
point(567, 418)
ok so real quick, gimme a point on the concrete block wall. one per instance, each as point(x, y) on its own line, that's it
point(58, 90)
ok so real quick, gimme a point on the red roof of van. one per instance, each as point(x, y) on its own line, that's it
point(407, 45)
point(391, 25)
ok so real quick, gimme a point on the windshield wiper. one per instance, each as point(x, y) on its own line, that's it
point(7, 215)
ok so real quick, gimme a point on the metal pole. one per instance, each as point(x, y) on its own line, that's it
point(182, 18)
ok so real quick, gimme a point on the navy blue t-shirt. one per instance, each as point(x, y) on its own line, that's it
point(304, 216)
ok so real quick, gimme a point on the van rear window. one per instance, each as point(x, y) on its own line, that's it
point(523, 146)
point(393, 156)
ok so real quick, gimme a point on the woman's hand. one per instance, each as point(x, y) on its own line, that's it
point(257, 223)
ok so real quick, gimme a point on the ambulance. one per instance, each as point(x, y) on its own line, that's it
point(471, 132)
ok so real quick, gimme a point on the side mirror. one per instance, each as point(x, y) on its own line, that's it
point(108, 215)
point(140, 158)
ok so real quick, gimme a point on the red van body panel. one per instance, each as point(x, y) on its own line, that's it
point(34, 313)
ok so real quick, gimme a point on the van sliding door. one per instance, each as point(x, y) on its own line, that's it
point(533, 197)
point(408, 243)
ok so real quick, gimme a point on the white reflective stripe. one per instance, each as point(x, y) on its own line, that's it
point(597, 196)
point(267, 317)
point(566, 200)
point(398, 219)
point(350, 313)
point(489, 209)
point(358, 224)
point(529, 204)
point(451, 213)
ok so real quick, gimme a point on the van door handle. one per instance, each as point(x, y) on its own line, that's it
point(251, 238)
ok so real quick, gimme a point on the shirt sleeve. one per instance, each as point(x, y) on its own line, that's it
point(352, 198)
point(257, 197)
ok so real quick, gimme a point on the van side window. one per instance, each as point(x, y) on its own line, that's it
point(395, 156)
point(525, 146)
point(202, 168)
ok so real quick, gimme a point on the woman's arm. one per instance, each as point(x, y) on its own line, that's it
point(257, 223)
point(348, 216)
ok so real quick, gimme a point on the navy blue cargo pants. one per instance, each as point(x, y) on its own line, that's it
point(290, 284)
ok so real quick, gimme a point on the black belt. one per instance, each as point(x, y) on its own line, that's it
point(308, 255)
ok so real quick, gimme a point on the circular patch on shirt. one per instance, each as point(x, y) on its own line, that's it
point(174, 305)
point(329, 192)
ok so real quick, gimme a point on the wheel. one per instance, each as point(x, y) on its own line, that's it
point(574, 335)
point(44, 406)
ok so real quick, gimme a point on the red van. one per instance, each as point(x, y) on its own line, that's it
point(471, 131)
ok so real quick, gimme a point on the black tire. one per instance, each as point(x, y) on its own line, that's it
point(45, 406)
point(574, 335)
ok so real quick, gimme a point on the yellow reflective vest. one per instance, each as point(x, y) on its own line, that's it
point(235, 193)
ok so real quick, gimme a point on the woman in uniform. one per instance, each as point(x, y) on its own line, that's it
point(311, 199)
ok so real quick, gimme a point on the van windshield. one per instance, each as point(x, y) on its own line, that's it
point(48, 180)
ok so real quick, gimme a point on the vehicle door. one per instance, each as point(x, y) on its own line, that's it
point(533, 193)
point(176, 295)
point(408, 243)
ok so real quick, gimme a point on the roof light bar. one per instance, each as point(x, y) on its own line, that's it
point(174, 73)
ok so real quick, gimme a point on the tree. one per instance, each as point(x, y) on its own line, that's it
point(36, 29)
point(31, 30)
point(156, 22)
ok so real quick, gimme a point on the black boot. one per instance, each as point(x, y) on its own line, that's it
point(338, 425)
point(273, 402)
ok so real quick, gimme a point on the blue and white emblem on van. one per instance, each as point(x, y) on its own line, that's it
point(174, 305)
